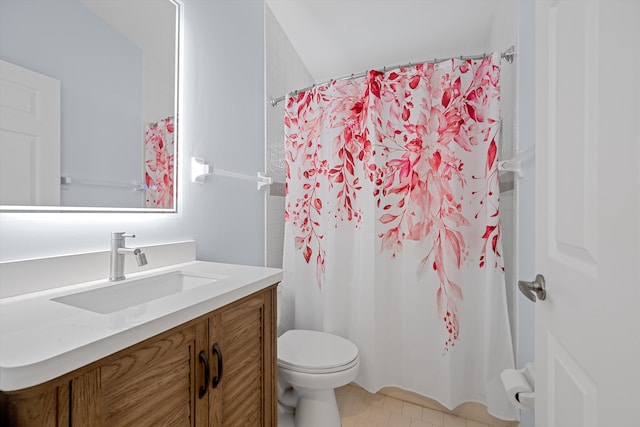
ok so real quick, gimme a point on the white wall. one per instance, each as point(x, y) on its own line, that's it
point(284, 72)
point(224, 116)
point(222, 120)
point(525, 244)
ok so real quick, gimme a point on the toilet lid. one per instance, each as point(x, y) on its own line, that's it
point(314, 351)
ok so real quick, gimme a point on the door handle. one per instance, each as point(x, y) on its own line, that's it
point(534, 289)
point(203, 388)
point(218, 353)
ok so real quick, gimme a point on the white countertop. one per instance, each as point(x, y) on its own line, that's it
point(42, 339)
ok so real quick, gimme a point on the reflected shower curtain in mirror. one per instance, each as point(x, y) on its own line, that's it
point(159, 149)
point(392, 235)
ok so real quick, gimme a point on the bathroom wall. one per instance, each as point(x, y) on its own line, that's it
point(284, 72)
point(525, 242)
point(222, 120)
point(224, 114)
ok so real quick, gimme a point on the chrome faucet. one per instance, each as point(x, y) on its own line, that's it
point(118, 251)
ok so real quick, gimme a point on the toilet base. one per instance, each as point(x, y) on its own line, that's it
point(285, 419)
point(317, 408)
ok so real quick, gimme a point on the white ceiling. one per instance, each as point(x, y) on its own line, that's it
point(335, 38)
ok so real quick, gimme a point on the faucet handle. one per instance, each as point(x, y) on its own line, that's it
point(120, 235)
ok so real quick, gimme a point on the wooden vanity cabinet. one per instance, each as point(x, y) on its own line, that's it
point(161, 381)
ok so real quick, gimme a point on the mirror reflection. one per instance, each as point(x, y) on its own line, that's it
point(88, 104)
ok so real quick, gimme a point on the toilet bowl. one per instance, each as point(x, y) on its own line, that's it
point(313, 364)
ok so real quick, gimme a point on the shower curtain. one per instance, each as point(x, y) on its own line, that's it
point(392, 234)
point(159, 149)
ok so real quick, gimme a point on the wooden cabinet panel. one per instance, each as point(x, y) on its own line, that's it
point(86, 403)
point(31, 409)
point(150, 385)
point(243, 332)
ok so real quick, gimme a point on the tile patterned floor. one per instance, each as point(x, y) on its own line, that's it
point(358, 408)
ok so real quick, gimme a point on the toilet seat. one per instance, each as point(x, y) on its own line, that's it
point(315, 352)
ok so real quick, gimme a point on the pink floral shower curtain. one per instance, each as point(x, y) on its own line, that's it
point(159, 154)
point(392, 235)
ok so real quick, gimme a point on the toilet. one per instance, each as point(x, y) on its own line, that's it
point(311, 364)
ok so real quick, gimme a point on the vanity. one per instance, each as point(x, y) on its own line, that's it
point(188, 344)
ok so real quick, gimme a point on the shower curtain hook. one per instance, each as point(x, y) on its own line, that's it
point(509, 54)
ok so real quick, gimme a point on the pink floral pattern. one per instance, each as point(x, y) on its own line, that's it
point(419, 144)
point(159, 152)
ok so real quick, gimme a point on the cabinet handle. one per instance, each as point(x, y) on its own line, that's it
point(216, 380)
point(203, 388)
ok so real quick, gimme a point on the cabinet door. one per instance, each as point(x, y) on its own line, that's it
point(41, 406)
point(244, 336)
point(154, 384)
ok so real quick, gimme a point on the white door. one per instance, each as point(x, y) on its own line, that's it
point(588, 213)
point(29, 137)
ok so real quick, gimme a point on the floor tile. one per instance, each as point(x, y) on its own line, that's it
point(342, 391)
point(432, 416)
point(375, 399)
point(412, 410)
point(453, 421)
point(380, 415)
point(359, 408)
point(419, 423)
point(358, 393)
point(366, 422)
point(398, 420)
point(349, 422)
point(392, 404)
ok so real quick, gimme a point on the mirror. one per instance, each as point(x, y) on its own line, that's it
point(88, 93)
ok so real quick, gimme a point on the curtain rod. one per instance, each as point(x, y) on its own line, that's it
point(507, 55)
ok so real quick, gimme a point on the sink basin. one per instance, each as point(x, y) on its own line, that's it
point(134, 292)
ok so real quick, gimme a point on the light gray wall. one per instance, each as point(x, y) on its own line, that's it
point(525, 246)
point(225, 118)
point(222, 120)
point(100, 72)
point(284, 73)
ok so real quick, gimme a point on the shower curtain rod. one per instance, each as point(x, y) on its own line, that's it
point(507, 55)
